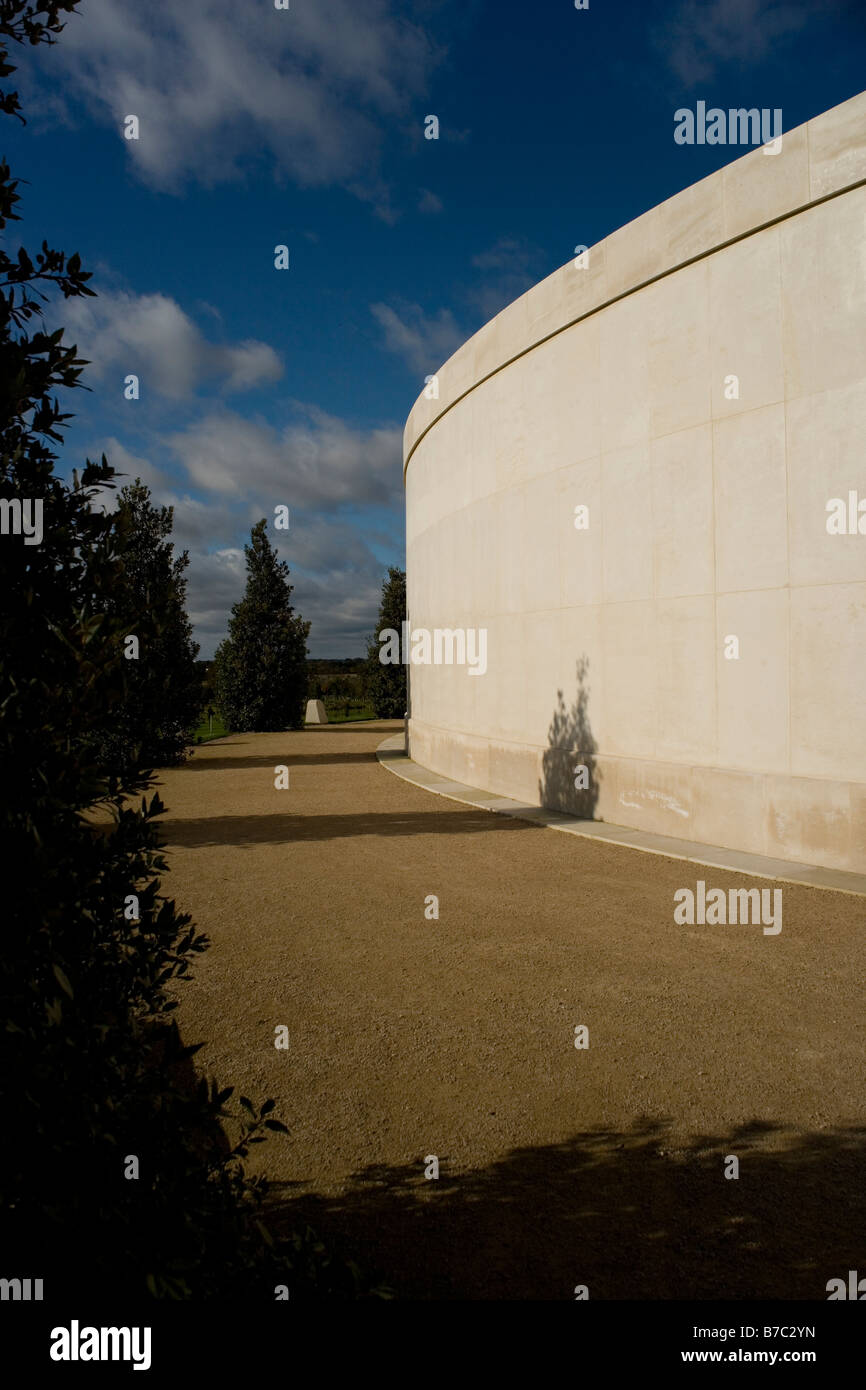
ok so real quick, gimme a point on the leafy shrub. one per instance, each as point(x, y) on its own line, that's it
point(92, 1068)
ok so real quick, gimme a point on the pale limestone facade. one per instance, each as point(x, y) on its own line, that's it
point(605, 387)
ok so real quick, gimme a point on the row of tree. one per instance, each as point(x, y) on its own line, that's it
point(260, 678)
point(115, 1173)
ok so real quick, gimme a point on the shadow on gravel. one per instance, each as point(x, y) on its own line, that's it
point(277, 828)
point(293, 759)
point(359, 726)
point(222, 741)
point(624, 1214)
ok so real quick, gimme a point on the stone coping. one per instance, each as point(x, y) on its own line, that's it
point(821, 159)
point(392, 755)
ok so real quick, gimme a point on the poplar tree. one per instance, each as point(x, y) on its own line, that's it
point(163, 687)
point(386, 684)
point(260, 669)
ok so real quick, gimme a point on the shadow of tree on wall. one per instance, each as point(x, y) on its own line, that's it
point(570, 747)
point(636, 1214)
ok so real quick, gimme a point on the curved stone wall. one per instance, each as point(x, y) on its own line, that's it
point(696, 638)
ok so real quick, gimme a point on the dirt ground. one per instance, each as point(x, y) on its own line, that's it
point(410, 1037)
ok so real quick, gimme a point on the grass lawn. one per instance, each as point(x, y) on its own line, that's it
point(203, 734)
point(337, 713)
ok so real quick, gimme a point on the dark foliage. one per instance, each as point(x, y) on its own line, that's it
point(164, 695)
point(385, 685)
point(92, 1068)
point(260, 669)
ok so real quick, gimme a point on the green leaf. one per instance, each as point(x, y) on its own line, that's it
point(62, 980)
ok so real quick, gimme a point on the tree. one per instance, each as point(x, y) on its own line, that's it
point(386, 684)
point(339, 689)
point(90, 1060)
point(260, 669)
point(164, 687)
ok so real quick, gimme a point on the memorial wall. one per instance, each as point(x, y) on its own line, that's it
point(645, 483)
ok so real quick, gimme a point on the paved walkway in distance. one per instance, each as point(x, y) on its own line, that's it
point(411, 1037)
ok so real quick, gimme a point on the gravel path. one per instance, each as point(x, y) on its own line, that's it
point(454, 1037)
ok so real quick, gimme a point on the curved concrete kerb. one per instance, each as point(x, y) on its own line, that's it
point(392, 755)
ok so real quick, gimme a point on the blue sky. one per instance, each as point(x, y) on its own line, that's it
point(305, 127)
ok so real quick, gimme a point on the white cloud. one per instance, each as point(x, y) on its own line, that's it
point(150, 335)
point(246, 364)
point(129, 466)
point(237, 471)
point(429, 202)
point(216, 84)
point(509, 268)
point(336, 580)
point(215, 581)
point(322, 462)
point(702, 36)
point(336, 577)
point(502, 255)
point(422, 340)
point(199, 524)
